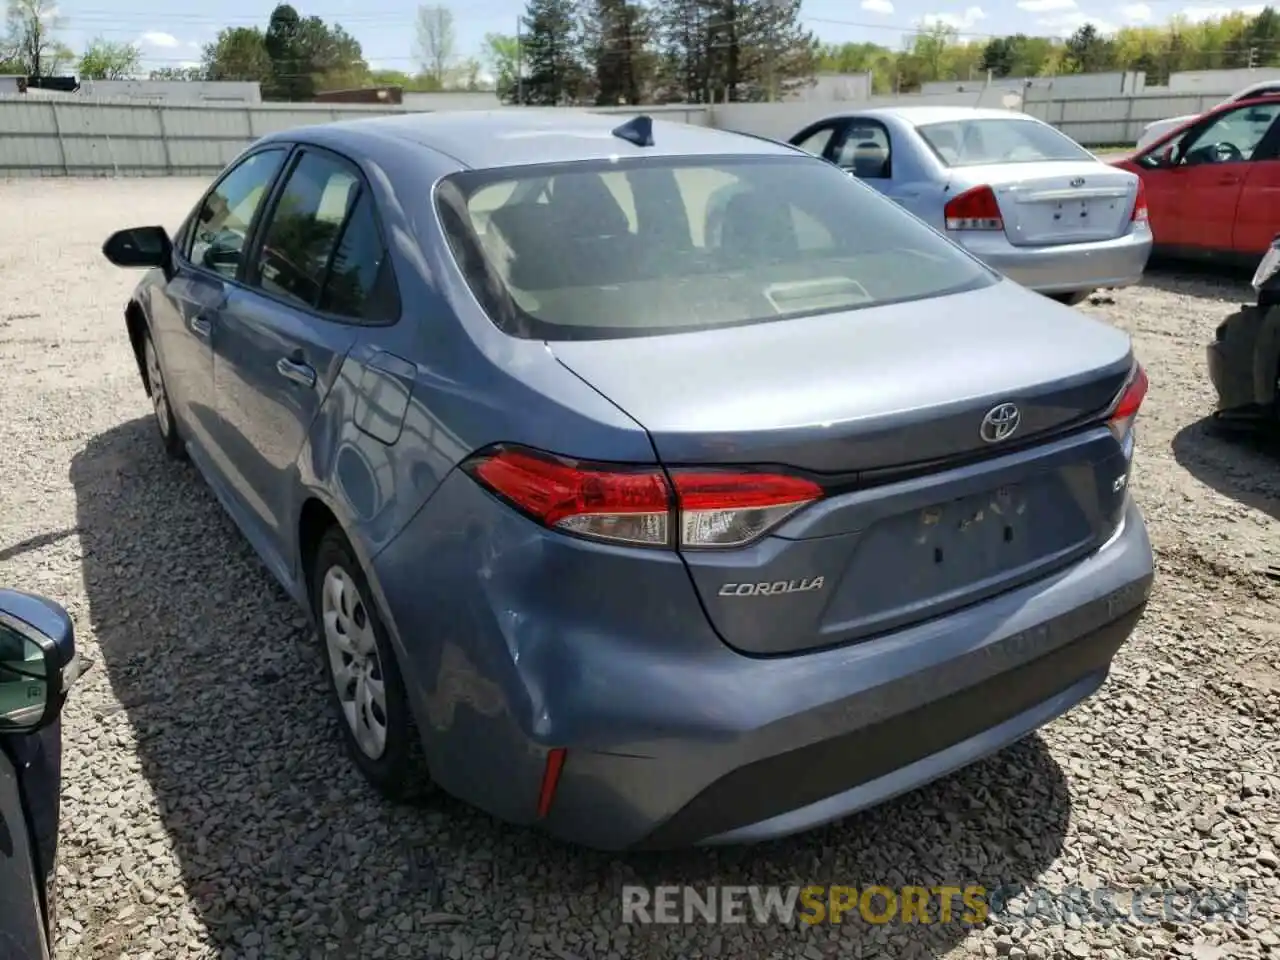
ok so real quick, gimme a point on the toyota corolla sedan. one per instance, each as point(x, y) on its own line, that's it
point(653, 484)
point(1013, 190)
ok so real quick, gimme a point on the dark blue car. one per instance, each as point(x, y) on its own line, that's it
point(38, 663)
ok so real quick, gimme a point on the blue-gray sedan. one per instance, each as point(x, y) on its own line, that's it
point(653, 484)
point(1027, 199)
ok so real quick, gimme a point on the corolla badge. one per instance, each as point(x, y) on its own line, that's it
point(804, 585)
point(1000, 423)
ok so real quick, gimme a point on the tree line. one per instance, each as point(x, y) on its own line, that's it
point(939, 52)
point(606, 52)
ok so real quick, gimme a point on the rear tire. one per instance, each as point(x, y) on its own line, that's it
point(166, 424)
point(366, 688)
point(1071, 299)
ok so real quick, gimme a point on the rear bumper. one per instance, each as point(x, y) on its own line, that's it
point(513, 644)
point(1066, 268)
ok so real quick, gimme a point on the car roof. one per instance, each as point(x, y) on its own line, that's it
point(919, 115)
point(524, 135)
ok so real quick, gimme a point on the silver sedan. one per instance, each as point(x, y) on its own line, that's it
point(1018, 194)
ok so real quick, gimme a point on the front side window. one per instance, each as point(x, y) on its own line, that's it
point(969, 143)
point(1231, 137)
point(303, 229)
point(223, 219)
point(598, 250)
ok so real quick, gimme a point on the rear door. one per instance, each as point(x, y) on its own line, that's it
point(22, 930)
point(313, 277)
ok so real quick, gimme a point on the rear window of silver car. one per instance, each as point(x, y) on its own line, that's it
point(969, 143)
point(602, 250)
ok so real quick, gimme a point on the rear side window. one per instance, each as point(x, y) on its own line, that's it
point(360, 284)
point(968, 143)
point(321, 247)
point(302, 231)
point(601, 250)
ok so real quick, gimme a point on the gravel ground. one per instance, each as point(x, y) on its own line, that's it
point(209, 812)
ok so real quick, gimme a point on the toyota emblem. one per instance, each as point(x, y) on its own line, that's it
point(1000, 423)
point(1078, 182)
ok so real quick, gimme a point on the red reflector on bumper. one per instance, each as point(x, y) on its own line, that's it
point(550, 780)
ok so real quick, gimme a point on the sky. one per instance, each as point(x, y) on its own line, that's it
point(173, 34)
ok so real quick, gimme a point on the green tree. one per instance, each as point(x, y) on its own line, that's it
point(617, 35)
point(436, 40)
point(106, 60)
point(1089, 52)
point(501, 53)
point(177, 73)
point(238, 53)
point(31, 45)
point(552, 53)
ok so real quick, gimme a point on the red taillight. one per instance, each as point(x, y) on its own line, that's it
point(1125, 410)
point(638, 505)
point(975, 209)
point(1140, 211)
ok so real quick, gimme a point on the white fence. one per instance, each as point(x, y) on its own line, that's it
point(81, 137)
point(85, 138)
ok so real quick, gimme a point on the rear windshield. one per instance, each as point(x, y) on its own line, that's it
point(601, 250)
point(968, 143)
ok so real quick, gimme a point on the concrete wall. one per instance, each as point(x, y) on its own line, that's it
point(1221, 82)
point(85, 138)
point(173, 91)
point(1094, 121)
point(463, 100)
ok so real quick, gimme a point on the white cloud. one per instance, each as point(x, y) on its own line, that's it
point(1135, 12)
point(1200, 14)
point(155, 38)
point(877, 6)
point(1066, 23)
point(960, 21)
point(1043, 6)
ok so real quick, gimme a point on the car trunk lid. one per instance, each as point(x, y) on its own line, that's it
point(1056, 202)
point(885, 407)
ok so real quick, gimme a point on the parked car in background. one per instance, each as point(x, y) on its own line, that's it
point(650, 483)
point(38, 665)
point(1213, 188)
point(1025, 198)
point(1244, 357)
point(1159, 129)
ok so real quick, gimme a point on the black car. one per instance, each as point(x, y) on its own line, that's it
point(1244, 357)
point(38, 663)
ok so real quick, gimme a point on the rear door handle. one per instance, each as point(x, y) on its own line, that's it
point(296, 371)
point(201, 327)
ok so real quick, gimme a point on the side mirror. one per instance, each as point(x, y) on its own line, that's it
point(139, 247)
point(38, 661)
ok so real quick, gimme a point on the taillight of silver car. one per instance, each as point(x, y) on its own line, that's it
point(1124, 409)
point(699, 508)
